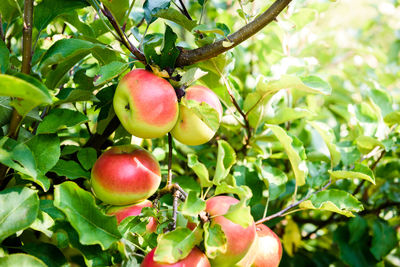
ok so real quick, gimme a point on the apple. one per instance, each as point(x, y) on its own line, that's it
point(121, 212)
point(269, 251)
point(196, 258)
point(125, 175)
point(239, 239)
point(190, 129)
point(146, 104)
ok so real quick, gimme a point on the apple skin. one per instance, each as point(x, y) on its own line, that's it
point(190, 129)
point(121, 212)
point(125, 175)
point(196, 258)
point(239, 239)
point(146, 104)
point(269, 251)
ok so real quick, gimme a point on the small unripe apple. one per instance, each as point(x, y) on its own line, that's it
point(190, 129)
point(239, 239)
point(196, 258)
point(125, 175)
point(121, 212)
point(145, 104)
point(269, 251)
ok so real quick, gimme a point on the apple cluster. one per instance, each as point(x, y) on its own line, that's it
point(125, 176)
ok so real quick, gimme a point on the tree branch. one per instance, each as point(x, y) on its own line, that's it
point(169, 178)
point(184, 10)
point(189, 57)
point(97, 140)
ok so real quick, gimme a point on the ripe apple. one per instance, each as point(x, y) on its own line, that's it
point(190, 129)
point(146, 104)
point(121, 212)
point(196, 258)
point(239, 239)
point(125, 175)
point(269, 251)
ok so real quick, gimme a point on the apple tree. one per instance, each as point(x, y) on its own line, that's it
point(199, 132)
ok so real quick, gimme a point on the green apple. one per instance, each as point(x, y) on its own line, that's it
point(190, 128)
point(146, 104)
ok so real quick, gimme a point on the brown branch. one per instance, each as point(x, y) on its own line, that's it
point(184, 10)
point(189, 57)
point(169, 178)
point(97, 140)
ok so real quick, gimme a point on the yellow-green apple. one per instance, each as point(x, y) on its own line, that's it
point(190, 129)
point(125, 175)
point(239, 239)
point(269, 251)
point(146, 104)
point(121, 212)
point(196, 258)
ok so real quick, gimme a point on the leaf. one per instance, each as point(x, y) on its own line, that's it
point(4, 57)
point(17, 156)
point(43, 223)
point(48, 253)
point(291, 238)
point(70, 95)
point(177, 17)
point(110, 71)
point(92, 225)
point(193, 205)
point(392, 118)
point(192, 75)
point(329, 138)
point(151, 7)
point(243, 192)
point(333, 200)
point(19, 209)
point(274, 179)
point(214, 240)
point(47, 10)
point(60, 118)
point(87, 156)
point(240, 214)
point(20, 259)
point(366, 144)
point(118, 8)
point(287, 114)
point(295, 152)
point(46, 151)
point(175, 245)
point(360, 171)
point(358, 227)
point(383, 239)
point(200, 170)
point(204, 111)
point(70, 169)
point(225, 159)
point(10, 9)
point(28, 93)
point(204, 28)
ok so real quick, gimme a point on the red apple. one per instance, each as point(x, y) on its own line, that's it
point(125, 175)
point(269, 252)
point(190, 129)
point(196, 258)
point(146, 104)
point(239, 239)
point(121, 212)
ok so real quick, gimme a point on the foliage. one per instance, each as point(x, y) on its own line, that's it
point(310, 124)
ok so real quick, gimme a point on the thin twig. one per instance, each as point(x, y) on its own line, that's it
point(169, 177)
point(184, 10)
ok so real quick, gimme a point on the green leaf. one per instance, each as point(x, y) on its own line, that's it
point(70, 95)
point(204, 111)
point(360, 171)
point(383, 239)
point(20, 259)
point(17, 156)
point(274, 178)
point(243, 191)
point(200, 170)
point(333, 200)
point(214, 240)
point(60, 118)
point(294, 150)
point(46, 151)
point(110, 71)
point(175, 245)
point(366, 144)
point(10, 9)
point(392, 118)
point(19, 209)
point(205, 28)
point(87, 156)
point(118, 8)
point(92, 225)
point(225, 159)
point(177, 17)
point(47, 10)
point(151, 7)
point(286, 114)
point(191, 75)
point(43, 223)
point(329, 138)
point(70, 169)
point(358, 227)
point(48, 253)
point(240, 214)
point(193, 205)
point(4, 57)
point(28, 93)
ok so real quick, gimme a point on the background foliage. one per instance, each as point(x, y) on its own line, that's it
point(319, 89)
